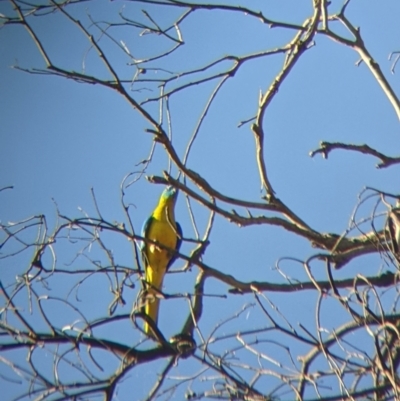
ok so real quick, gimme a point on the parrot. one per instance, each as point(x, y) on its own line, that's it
point(394, 229)
point(162, 228)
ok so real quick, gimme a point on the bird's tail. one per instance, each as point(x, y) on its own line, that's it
point(151, 308)
point(154, 278)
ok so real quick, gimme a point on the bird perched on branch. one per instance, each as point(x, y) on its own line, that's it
point(162, 228)
point(394, 229)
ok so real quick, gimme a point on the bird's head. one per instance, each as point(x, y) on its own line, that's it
point(169, 194)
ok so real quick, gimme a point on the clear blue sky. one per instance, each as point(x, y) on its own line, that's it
point(59, 139)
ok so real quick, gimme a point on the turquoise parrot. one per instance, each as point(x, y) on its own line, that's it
point(162, 228)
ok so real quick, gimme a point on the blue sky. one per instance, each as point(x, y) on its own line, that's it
point(60, 138)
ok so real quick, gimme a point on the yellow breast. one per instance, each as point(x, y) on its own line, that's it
point(157, 257)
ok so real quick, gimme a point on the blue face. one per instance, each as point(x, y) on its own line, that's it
point(169, 192)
